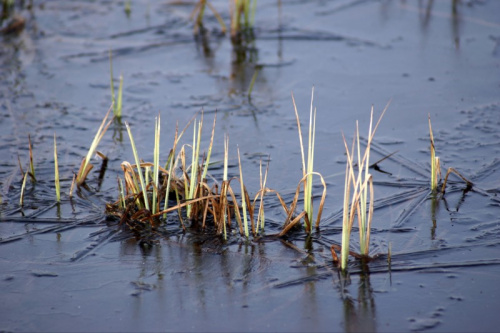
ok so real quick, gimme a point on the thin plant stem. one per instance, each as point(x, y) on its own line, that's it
point(308, 206)
point(138, 164)
point(23, 186)
point(122, 193)
point(252, 82)
point(434, 160)
point(225, 185)
point(32, 164)
point(119, 100)
point(156, 164)
point(205, 170)
point(170, 170)
point(243, 199)
point(56, 172)
point(86, 166)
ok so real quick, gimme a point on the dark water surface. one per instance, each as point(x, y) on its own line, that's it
point(67, 268)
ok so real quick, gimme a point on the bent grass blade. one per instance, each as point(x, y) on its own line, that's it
point(85, 167)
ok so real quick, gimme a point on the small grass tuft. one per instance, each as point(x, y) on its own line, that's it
point(308, 170)
point(436, 168)
point(360, 184)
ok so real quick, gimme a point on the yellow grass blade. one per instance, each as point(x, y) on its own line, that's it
point(243, 198)
point(56, 172)
point(83, 172)
point(137, 162)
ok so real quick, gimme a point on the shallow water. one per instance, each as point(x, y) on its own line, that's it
point(66, 267)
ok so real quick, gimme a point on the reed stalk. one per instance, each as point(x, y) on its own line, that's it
point(32, 164)
point(262, 193)
point(171, 166)
point(200, 9)
point(243, 198)
point(209, 153)
point(117, 103)
point(252, 82)
point(190, 190)
point(56, 172)
point(156, 164)
point(122, 201)
point(242, 10)
point(309, 169)
point(23, 187)
point(435, 165)
point(86, 166)
point(225, 184)
point(138, 165)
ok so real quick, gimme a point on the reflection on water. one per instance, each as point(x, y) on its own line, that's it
point(426, 13)
point(360, 312)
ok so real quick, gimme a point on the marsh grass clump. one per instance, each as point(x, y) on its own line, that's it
point(242, 18)
point(199, 12)
point(308, 169)
point(436, 168)
point(358, 194)
point(151, 192)
point(141, 198)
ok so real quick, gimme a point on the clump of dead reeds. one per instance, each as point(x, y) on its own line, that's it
point(144, 197)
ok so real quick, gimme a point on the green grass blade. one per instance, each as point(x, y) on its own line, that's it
point(122, 193)
point(252, 82)
point(112, 83)
point(205, 170)
point(118, 107)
